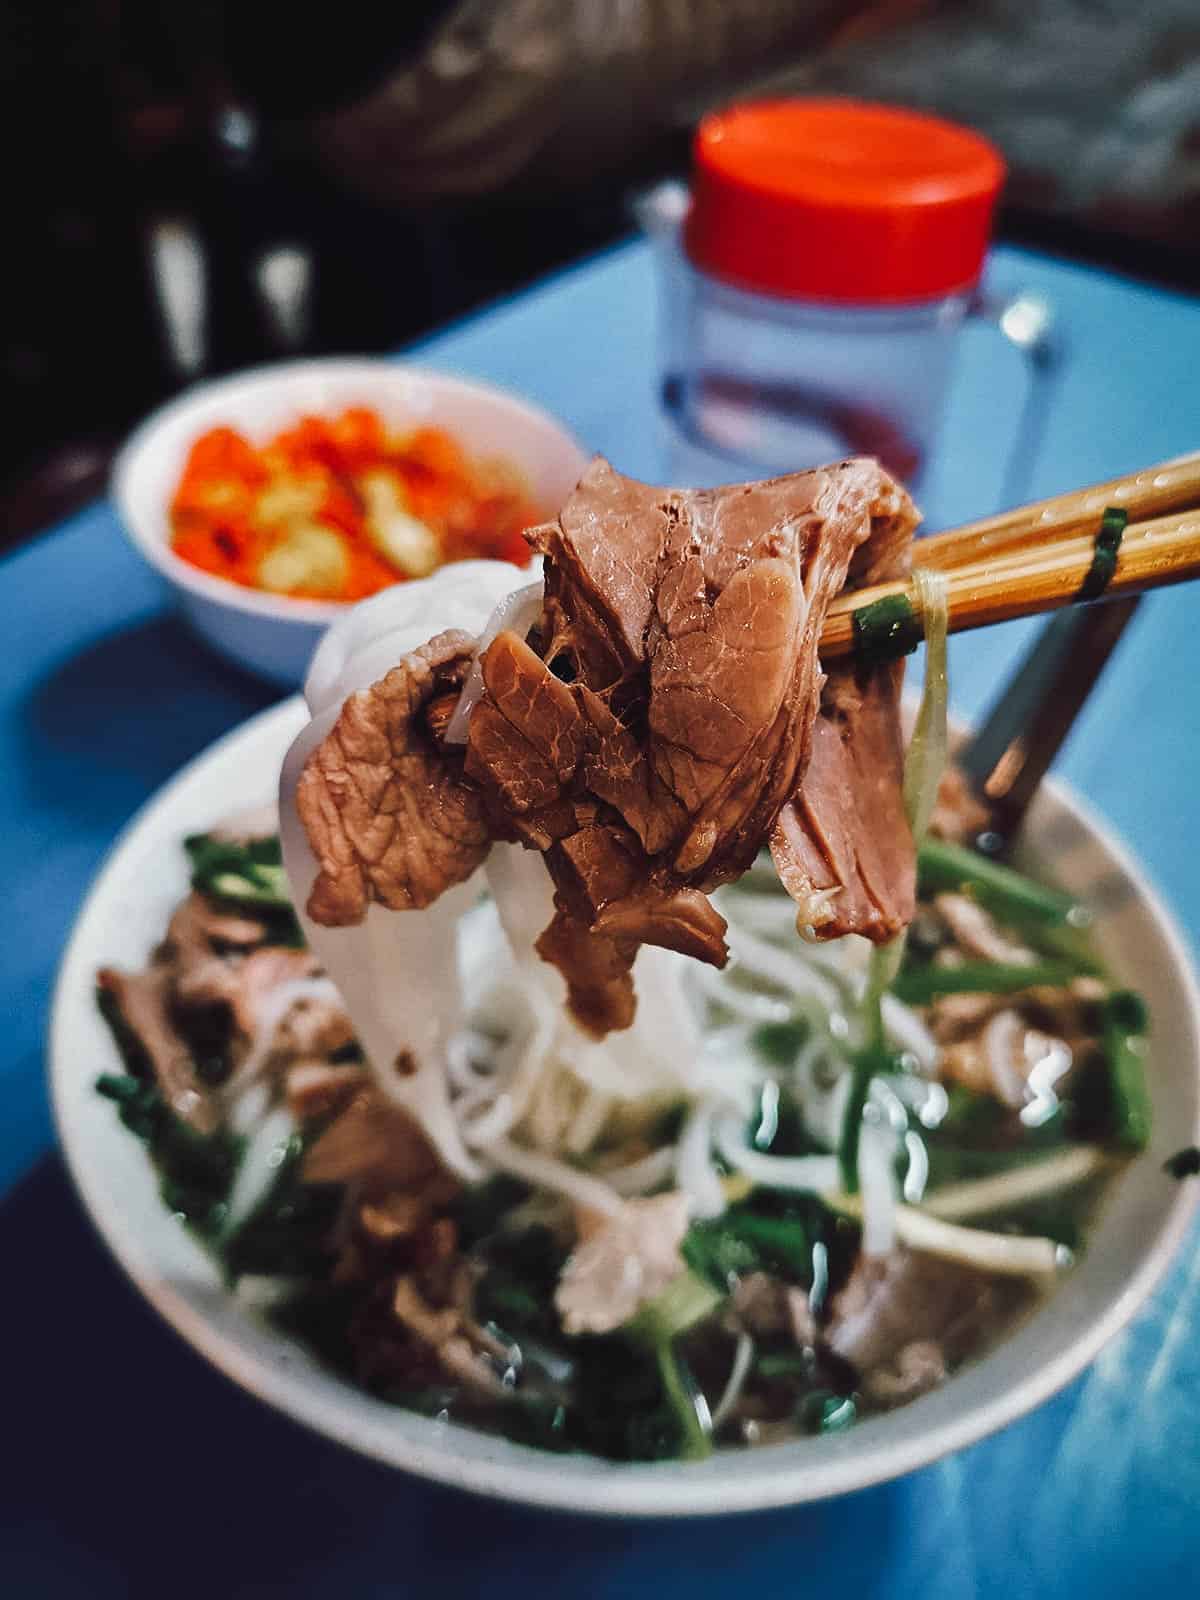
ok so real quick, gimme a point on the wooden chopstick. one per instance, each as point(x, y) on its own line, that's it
point(1024, 580)
point(1170, 486)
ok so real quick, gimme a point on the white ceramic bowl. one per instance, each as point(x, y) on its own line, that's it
point(273, 635)
point(1143, 1222)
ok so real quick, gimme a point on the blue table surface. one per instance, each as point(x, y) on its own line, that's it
point(130, 1468)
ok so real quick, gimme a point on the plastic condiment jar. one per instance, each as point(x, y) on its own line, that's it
point(814, 284)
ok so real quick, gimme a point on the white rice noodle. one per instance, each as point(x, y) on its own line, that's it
point(787, 972)
point(250, 1107)
point(545, 1172)
point(1006, 1253)
point(877, 1182)
point(1002, 1036)
point(905, 1031)
point(771, 915)
point(373, 636)
point(743, 1356)
point(259, 1165)
point(640, 1177)
point(468, 1059)
point(754, 1007)
point(275, 1008)
point(809, 1174)
point(588, 1122)
point(980, 1197)
point(524, 896)
point(520, 1067)
point(695, 1174)
point(1013, 1255)
point(518, 612)
point(926, 758)
point(379, 965)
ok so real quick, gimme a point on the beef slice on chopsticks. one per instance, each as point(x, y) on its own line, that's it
point(665, 717)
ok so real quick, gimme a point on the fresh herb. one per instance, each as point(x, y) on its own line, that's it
point(686, 1301)
point(825, 1412)
point(918, 986)
point(1125, 1021)
point(517, 1290)
point(618, 1407)
point(249, 875)
point(196, 1170)
point(1104, 554)
point(747, 1238)
point(886, 629)
point(1007, 894)
point(288, 1233)
point(1184, 1163)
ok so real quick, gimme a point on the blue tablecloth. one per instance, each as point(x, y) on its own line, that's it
point(131, 1469)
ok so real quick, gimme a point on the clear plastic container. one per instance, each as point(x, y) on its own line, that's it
point(768, 379)
point(773, 385)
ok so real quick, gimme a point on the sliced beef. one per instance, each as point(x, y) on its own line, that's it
point(372, 1144)
point(143, 1002)
point(598, 971)
point(648, 733)
point(904, 1320)
point(200, 937)
point(387, 813)
point(690, 623)
point(842, 845)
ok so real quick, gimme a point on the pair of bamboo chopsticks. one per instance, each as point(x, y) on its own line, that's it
point(1038, 557)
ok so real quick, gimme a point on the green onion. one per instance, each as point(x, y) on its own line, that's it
point(919, 985)
point(685, 1301)
point(923, 766)
point(942, 865)
point(864, 1065)
point(1125, 1022)
point(823, 1412)
point(1104, 555)
point(886, 629)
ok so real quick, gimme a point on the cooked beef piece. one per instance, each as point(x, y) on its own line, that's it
point(258, 978)
point(598, 971)
point(526, 733)
point(315, 1088)
point(842, 845)
point(373, 1144)
point(692, 620)
point(386, 812)
point(691, 623)
point(959, 814)
point(649, 735)
point(907, 1298)
point(199, 935)
point(621, 1263)
point(143, 1001)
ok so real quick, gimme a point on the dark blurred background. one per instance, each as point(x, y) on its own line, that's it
point(197, 185)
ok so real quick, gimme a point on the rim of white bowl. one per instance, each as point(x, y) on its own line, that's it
point(153, 546)
point(580, 1483)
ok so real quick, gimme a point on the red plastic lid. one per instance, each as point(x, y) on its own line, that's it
point(841, 200)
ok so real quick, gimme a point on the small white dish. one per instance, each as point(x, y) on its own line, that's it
point(1143, 1222)
point(273, 635)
